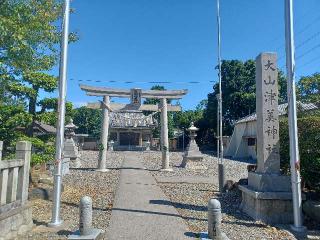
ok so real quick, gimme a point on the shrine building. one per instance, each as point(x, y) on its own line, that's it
point(131, 130)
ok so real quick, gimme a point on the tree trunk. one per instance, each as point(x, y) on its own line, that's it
point(32, 110)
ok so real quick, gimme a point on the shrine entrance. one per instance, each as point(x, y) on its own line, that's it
point(130, 117)
point(129, 139)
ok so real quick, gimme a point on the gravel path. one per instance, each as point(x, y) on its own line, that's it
point(99, 186)
point(191, 199)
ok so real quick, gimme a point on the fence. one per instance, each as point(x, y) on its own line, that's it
point(14, 178)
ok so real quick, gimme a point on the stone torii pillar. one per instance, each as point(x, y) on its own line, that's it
point(102, 164)
point(164, 135)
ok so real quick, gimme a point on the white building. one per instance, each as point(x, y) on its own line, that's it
point(243, 140)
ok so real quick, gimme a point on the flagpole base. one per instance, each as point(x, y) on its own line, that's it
point(299, 229)
point(55, 224)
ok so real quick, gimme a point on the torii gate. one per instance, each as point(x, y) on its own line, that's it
point(135, 95)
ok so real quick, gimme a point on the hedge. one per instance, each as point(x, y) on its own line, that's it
point(309, 148)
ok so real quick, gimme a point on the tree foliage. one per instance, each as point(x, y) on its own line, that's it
point(29, 48)
point(309, 142)
point(30, 33)
point(49, 111)
point(309, 88)
point(238, 95)
point(88, 121)
point(12, 117)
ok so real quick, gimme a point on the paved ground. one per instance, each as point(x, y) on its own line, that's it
point(139, 211)
point(186, 179)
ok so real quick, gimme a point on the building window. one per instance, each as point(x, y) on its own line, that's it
point(251, 141)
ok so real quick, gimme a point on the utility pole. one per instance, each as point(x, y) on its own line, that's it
point(220, 160)
point(56, 219)
point(292, 118)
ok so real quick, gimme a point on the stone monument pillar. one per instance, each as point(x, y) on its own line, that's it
point(102, 164)
point(164, 135)
point(267, 197)
point(192, 155)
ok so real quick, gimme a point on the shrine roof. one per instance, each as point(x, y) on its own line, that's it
point(117, 92)
point(282, 110)
point(132, 119)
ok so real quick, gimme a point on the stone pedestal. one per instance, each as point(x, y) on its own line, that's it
point(192, 157)
point(71, 152)
point(16, 222)
point(269, 207)
point(268, 196)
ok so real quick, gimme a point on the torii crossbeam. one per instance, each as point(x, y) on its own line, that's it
point(135, 95)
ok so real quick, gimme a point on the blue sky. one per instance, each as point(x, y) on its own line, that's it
point(176, 41)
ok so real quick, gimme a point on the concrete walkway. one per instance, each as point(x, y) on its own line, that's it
point(186, 179)
point(135, 214)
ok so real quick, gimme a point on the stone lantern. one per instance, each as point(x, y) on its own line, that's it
point(110, 145)
point(192, 155)
point(71, 150)
point(70, 129)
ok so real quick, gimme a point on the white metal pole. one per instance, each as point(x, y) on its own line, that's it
point(221, 166)
point(218, 130)
point(292, 118)
point(183, 139)
point(56, 220)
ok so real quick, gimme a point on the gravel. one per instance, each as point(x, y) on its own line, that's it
point(234, 170)
point(191, 200)
point(80, 182)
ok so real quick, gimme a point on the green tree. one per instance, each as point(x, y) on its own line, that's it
point(88, 121)
point(309, 142)
point(183, 119)
point(49, 111)
point(309, 88)
point(29, 48)
point(238, 96)
point(12, 117)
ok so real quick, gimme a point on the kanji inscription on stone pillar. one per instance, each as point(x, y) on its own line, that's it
point(268, 158)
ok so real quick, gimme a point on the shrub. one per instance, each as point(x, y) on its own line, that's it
point(309, 148)
point(42, 152)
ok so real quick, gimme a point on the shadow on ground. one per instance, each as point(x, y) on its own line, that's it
point(180, 205)
point(158, 213)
